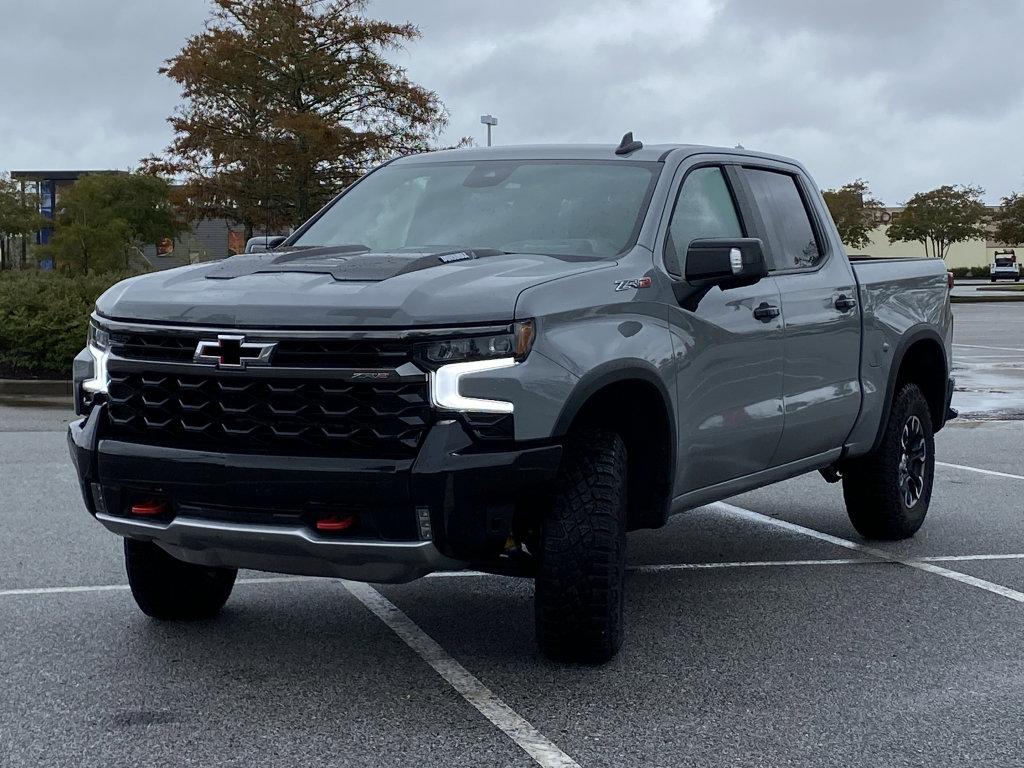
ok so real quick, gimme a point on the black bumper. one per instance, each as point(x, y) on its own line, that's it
point(266, 505)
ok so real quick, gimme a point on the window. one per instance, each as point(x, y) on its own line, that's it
point(573, 208)
point(790, 232)
point(704, 208)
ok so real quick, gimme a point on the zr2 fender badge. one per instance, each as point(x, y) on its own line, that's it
point(633, 282)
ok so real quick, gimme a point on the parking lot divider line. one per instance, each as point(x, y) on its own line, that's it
point(963, 558)
point(125, 587)
point(928, 567)
point(748, 564)
point(61, 590)
point(998, 349)
point(655, 568)
point(544, 752)
point(981, 471)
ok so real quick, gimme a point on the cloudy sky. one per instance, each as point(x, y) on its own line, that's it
point(908, 95)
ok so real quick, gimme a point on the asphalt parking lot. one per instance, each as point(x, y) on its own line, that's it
point(761, 632)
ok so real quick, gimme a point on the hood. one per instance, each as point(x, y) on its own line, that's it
point(340, 287)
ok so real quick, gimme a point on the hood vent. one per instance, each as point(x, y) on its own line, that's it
point(344, 263)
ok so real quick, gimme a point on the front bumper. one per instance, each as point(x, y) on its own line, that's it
point(449, 507)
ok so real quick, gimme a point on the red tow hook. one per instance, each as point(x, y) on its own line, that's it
point(336, 523)
point(149, 508)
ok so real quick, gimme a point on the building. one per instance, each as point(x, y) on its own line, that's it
point(971, 253)
point(204, 240)
point(48, 186)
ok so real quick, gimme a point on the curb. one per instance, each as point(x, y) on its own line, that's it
point(35, 387)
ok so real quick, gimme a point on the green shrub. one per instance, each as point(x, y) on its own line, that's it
point(959, 273)
point(44, 318)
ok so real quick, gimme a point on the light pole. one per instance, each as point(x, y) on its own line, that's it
point(488, 120)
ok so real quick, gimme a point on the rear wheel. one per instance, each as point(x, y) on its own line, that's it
point(582, 557)
point(166, 588)
point(888, 491)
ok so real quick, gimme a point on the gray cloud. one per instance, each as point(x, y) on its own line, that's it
point(908, 95)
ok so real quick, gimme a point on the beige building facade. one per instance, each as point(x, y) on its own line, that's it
point(972, 253)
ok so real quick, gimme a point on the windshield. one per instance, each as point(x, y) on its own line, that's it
point(573, 208)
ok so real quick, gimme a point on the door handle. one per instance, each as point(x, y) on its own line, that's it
point(765, 312)
point(845, 303)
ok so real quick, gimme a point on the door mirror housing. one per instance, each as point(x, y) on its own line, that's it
point(725, 262)
point(262, 243)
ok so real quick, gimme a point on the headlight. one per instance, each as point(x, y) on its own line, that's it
point(515, 345)
point(99, 348)
point(451, 359)
point(98, 337)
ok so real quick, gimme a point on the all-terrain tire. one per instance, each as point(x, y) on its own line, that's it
point(166, 588)
point(876, 500)
point(582, 558)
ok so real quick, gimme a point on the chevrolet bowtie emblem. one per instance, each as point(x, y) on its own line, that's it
point(234, 352)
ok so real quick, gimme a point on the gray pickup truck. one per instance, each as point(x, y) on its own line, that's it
point(505, 359)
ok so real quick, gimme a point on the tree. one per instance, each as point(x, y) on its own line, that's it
point(853, 210)
point(941, 217)
point(1009, 220)
point(104, 218)
point(19, 216)
point(286, 102)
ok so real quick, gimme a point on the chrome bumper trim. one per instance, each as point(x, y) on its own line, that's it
point(285, 549)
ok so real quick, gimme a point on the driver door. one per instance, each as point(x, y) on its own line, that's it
point(728, 362)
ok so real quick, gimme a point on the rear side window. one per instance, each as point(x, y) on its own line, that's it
point(704, 208)
point(790, 232)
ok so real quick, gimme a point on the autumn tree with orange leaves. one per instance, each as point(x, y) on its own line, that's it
point(286, 102)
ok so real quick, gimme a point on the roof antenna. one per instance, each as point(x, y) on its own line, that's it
point(627, 145)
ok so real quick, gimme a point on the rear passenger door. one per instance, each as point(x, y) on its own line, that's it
point(821, 320)
point(727, 361)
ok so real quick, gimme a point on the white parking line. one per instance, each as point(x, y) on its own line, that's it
point(653, 568)
point(921, 565)
point(125, 587)
point(998, 349)
point(980, 471)
point(661, 568)
point(962, 558)
point(513, 725)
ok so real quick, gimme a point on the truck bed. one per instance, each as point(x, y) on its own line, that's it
point(901, 300)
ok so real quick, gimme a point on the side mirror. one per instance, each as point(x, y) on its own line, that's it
point(262, 243)
point(725, 262)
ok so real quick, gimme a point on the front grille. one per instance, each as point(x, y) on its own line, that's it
point(269, 415)
point(167, 347)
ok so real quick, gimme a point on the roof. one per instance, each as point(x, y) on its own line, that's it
point(55, 175)
point(649, 153)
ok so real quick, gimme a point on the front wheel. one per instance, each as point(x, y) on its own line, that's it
point(582, 558)
point(166, 588)
point(888, 491)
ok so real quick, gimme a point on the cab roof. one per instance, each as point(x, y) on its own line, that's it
point(648, 153)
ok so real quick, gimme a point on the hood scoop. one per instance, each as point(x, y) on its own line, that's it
point(349, 263)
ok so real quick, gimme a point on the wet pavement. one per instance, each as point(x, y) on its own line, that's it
point(988, 360)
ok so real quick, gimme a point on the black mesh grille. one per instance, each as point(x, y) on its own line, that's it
point(297, 416)
point(289, 353)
